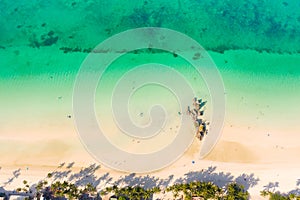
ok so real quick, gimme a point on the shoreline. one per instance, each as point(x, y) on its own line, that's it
point(260, 133)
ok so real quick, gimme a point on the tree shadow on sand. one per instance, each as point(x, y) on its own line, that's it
point(295, 191)
point(16, 174)
point(86, 175)
point(105, 179)
point(207, 175)
point(58, 175)
point(70, 165)
point(273, 186)
point(143, 181)
point(221, 179)
point(82, 178)
point(248, 181)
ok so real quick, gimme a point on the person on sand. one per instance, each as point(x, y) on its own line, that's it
point(189, 112)
point(196, 103)
point(199, 119)
point(195, 114)
point(201, 131)
point(204, 129)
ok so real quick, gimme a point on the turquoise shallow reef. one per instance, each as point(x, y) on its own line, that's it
point(254, 44)
point(219, 26)
point(271, 26)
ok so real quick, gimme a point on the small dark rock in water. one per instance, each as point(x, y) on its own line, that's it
point(69, 116)
point(50, 41)
point(45, 40)
point(51, 33)
point(73, 3)
point(179, 113)
point(66, 49)
point(87, 50)
point(43, 24)
point(43, 37)
point(35, 44)
point(175, 55)
point(108, 31)
point(60, 97)
point(77, 49)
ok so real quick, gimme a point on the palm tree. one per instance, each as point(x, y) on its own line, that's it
point(49, 175)
point(236, 192)
point(147, 195)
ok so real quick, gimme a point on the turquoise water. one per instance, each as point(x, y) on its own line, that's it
point(271, 26)
point(68, 26)
point(255, 45)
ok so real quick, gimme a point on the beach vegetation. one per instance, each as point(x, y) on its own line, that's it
point(131, 192)
point(50, 188)
point(208, 190)
point(279, 196)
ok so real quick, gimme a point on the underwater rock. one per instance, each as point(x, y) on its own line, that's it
point(45, 40)
point(49, 41)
